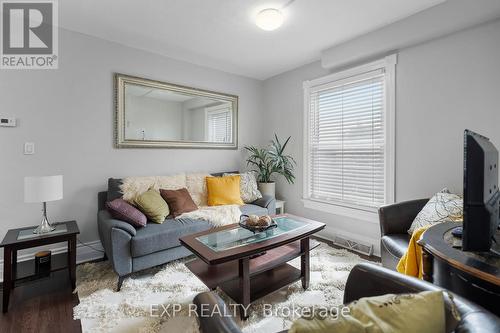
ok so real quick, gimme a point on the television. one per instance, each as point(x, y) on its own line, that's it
point(481, 194)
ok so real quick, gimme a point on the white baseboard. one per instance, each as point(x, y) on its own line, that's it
point(83, 253)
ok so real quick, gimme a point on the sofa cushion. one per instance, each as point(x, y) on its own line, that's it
point(179, 201)
point(396, 244)
point(224, 191)
point(153, 206)
point(122, 210)
point(158, 237)
point(250, 209)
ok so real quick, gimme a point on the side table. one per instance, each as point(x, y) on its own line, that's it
point(280, 206)
point(23, 238)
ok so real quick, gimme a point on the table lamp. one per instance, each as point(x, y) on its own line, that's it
point(43, 189)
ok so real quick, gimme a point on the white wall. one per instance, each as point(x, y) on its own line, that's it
point(443, 87)
point(68, 113)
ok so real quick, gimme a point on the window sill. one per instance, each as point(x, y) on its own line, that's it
point(355, 213)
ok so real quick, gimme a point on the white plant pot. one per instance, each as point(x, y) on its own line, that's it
point(268, 189)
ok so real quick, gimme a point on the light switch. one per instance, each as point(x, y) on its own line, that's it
point(29, 148)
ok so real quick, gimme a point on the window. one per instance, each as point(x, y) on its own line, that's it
point(349, 138)
point(219, 123)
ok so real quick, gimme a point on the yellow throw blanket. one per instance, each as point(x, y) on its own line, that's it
point(411, 262)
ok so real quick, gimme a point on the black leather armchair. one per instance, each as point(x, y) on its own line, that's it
point(395, 220)
point(367, 280)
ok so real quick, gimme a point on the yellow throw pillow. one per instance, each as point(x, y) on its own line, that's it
point(152, 205)
point(408, 313)
point(224, 190)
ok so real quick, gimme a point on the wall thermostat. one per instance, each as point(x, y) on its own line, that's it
point(7, 122)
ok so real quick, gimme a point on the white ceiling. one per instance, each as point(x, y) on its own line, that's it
point(222, 34)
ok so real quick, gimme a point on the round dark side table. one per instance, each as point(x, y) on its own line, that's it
point(473, 275)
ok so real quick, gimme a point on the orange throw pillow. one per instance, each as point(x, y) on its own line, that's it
point(224, 190)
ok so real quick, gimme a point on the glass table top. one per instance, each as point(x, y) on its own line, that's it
point(28, 233)
point(232, 238)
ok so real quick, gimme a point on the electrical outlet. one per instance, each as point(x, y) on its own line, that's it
point(29, 148)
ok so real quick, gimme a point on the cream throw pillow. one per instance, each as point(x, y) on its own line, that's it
point(442, 207)
point(248, 186)
point(197, 187)
point(408, 313)
point(132, 187)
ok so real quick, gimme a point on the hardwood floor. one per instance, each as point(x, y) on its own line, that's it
point(42, 306)
point(47, 305)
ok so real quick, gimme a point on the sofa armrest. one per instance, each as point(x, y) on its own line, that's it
point(397, 218)
point(115, 237)
point(366, 280)
point(268, 202)
point(209, 303)
point(106, 221)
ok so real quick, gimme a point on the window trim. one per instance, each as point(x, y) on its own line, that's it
point(388, 65)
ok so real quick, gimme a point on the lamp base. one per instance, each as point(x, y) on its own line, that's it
point(44, 227)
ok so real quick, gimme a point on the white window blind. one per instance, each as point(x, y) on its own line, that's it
point(346, 141)
point(219, 125)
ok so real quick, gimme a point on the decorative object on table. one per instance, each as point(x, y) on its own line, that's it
point(269, 161)
point(256, 223)
point(16, 240)
point(42, 263)
point(43, 189)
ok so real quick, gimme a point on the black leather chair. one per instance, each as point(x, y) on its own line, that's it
point(395, 220)
point(365, 280)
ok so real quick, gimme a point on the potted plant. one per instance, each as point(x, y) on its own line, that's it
point(271, 160)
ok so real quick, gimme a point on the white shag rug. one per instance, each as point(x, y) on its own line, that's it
point(145, 295)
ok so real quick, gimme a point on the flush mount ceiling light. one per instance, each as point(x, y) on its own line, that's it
point(269, 19)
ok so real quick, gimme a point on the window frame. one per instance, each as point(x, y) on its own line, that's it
point(215, 110)
point(388, 66)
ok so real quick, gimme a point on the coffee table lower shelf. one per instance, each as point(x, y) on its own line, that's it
point(267, 273)
point(263, 283)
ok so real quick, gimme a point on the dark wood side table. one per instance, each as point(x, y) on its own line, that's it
point(23, 238)
point(473, 275)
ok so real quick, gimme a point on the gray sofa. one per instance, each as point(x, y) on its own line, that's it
point(131, 250)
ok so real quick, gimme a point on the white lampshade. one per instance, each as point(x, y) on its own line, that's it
point(43, 189)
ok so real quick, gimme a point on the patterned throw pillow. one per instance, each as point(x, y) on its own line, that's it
point(442, 207)
point(248, 186)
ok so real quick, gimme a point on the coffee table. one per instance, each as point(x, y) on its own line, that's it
point(248, 266)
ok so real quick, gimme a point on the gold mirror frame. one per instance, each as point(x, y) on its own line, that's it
point(120, 80)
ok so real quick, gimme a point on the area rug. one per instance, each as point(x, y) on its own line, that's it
point(158, 300)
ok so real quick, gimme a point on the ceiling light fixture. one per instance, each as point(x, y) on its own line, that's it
point(269, 19)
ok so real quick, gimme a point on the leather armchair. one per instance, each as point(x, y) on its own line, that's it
point(395, 220)
point(365, 280)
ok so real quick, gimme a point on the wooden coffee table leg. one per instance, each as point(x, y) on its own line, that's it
point(244, 276)
point(304, 262)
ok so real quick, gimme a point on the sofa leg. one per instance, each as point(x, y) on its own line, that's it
point(105, 257)
point(120, 282)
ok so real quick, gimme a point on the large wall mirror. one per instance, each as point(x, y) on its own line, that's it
point(158, 114)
